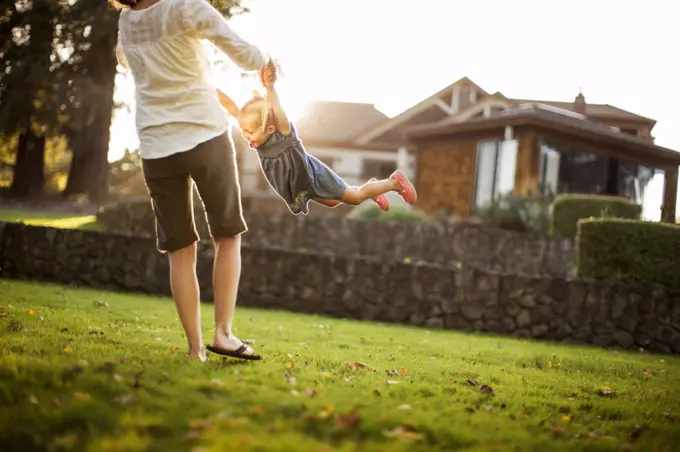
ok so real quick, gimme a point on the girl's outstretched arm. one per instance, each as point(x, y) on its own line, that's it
point(281, 120)
point(227, 103)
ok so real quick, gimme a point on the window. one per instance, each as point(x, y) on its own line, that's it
point(380, 169)
point(549, 170)
point(495, 171)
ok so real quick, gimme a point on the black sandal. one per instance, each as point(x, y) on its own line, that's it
point(238, 353)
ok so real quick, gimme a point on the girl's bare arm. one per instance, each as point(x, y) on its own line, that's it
point(282, 122)
point(227, 103)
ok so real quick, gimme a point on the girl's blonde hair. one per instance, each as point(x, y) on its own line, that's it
point(258, 104)
point(121, 4)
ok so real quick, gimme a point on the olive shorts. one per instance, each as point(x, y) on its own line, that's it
point(212, 167)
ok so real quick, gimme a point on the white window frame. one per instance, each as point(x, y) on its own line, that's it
point(497, 188)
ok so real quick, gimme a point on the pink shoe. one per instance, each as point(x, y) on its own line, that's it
point(406, 188)
point(381, 200)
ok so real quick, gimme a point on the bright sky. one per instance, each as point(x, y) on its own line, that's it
point(394, 54)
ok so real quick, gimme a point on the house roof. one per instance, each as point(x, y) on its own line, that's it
point(533, 115)
point(593, 110)
point(337, 122)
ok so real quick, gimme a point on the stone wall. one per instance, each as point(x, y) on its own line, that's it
point(442, 244)
point(463, 298)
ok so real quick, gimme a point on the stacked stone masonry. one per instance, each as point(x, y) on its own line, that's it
point(433, 296)
point(442, 244)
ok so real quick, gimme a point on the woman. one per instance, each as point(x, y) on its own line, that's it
point(184, 139)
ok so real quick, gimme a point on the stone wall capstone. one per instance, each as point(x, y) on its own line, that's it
point(467, 299)
point(446, 244)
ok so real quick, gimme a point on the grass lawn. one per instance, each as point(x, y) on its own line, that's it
point(88, 370)
point(51, 219)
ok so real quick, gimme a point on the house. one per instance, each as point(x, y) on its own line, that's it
point(485, 145)
point(463, 147)
point(334, 132)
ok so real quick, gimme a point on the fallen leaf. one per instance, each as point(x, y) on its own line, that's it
point(488, 390)
point(137, 383)
point(125, 399)
point(64, 442)
point(559, 364)
point(291, 380)
point(290, 364)
point(550, 364)
point(359, 365)
point(566, 418)
point(117, 378)
point(68, 349)
point(362, 341)
point(391, 382)
point(257, 410)
point(325, 413)
point(31, 312)
point(81, 395)
point(310, 392)
point(471, 382)
point(4, 314)
point(175, 347)
point(404, 407)
point(636, 432)
point(402, 371)
point(405, 433)
point(32, 399)
point(605, 391)
point(556, 431)
point(101, 304)
point(347, 420)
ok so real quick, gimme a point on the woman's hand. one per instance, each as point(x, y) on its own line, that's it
point(268, 74)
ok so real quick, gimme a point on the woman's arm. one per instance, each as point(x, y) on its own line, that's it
point(120, 55)
point(227, 103)
point(209, 24)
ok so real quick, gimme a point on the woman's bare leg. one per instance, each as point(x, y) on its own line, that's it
point(226, 275)
point(186, 292)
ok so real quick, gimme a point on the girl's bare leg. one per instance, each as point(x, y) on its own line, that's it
point(327, 202)
point(356, 195)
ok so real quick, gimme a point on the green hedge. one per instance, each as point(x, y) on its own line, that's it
point(371, 211)
point(629, 251)
point(569, 208)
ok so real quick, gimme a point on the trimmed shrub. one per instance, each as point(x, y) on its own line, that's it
point(396, 213)
point(629, 251)
point(518, 213)
point(568, 209)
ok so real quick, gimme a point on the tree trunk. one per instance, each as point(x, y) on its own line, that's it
point(29, 176)
point(89, 139)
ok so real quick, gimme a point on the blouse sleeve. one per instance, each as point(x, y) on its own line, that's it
point(120, 55)
point(209, 24)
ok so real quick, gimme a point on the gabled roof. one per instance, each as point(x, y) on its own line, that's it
point(534, 115)
point(340, 122)
point(429, 109)
point(599, 111)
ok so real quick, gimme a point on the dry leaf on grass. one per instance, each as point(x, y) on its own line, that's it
point(32, 399)
point(125, 399)
point(404, 432)
point(391, 382)
point(471, 382)
point(290, 364)
point(605, 391)
point(487, 390)
point(291, 380)
point(68, 349)
point(359, 365)
point(310, 392)
point(566, 418)
point(81, 395)
point(347, 420)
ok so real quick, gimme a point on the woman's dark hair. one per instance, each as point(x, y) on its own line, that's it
point(120, 4)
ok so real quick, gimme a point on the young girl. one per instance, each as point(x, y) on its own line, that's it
point(296, 176)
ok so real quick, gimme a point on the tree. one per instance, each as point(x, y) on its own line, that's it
point(28, 87)
point(93, 28)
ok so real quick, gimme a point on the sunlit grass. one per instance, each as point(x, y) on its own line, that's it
point(92, 370)
point(50, 219)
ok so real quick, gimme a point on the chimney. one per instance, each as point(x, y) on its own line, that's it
point(580, 103)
